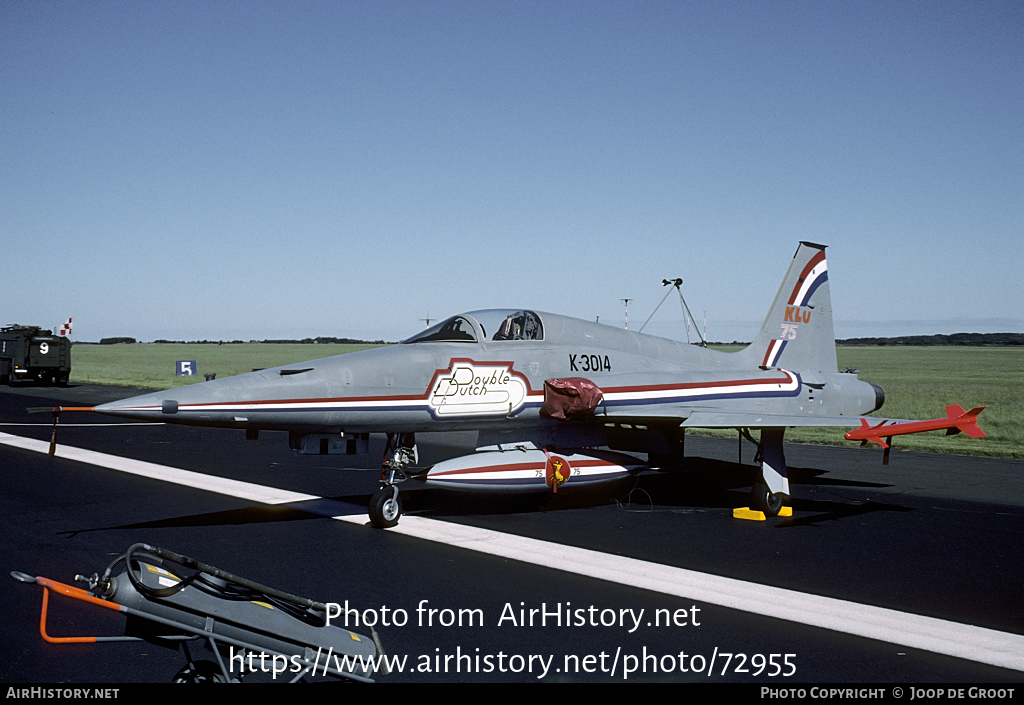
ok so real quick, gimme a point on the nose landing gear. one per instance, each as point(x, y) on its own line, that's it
point(386, 504)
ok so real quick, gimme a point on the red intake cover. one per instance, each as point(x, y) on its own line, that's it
point(570, 398)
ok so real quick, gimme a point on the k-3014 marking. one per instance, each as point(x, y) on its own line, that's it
point(582, 362)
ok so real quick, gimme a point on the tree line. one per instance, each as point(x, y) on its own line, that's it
point(952, 339)
point(324, 340)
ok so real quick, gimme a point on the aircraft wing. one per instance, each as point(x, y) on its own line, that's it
point(867, 428)
point(716, 418)
point(691, 417)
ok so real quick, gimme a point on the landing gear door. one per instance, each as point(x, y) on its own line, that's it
point(329, 443)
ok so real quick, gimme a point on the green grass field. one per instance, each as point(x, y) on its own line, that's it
point(152, 366)
point(918, 382)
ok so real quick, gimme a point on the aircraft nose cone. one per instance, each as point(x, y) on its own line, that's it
point(144, 406)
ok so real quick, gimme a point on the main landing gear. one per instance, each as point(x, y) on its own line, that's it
point(767, 495)
point(386, 504)
point(764, 500)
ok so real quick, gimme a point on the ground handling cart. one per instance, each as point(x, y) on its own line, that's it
point(172, 600)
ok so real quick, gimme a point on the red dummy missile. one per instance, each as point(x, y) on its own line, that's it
point(956, 420)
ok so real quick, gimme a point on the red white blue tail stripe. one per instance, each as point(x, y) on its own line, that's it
point(813, 275)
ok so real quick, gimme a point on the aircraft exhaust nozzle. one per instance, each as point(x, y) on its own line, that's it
point(879, 397)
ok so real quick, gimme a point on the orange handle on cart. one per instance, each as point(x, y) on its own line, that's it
point(73, 592)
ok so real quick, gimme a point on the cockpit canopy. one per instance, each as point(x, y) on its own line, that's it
point(490, 324)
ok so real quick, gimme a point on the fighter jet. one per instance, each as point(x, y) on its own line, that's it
point(558, 403)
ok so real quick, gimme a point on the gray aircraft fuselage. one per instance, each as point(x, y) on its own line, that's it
point(486, 384)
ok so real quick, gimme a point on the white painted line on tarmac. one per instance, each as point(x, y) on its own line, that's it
point(964, 641)
point(939, 636)
point(210, 483)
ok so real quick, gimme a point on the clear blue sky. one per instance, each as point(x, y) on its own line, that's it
point(249, 169)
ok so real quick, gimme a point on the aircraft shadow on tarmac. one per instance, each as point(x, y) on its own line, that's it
point(704, 485)
point(257, 514)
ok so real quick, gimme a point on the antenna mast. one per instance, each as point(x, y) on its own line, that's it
point(678, 283)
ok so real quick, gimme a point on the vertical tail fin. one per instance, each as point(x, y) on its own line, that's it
point(797, 333)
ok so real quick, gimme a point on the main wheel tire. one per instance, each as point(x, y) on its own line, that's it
point(385, 507)
point(764, 500)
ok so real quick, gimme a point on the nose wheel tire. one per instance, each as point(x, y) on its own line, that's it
point(385, 507)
